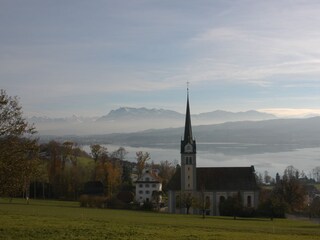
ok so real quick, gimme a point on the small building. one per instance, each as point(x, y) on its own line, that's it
point(148, 186)
point(211, 184)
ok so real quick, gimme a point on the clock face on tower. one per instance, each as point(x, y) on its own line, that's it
point(188, 148)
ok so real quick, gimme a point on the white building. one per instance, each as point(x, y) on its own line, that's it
point(147, 186)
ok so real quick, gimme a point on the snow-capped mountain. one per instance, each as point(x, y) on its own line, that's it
point(126, 119)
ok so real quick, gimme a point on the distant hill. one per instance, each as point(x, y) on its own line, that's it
point(224, 116)
point(233, 137)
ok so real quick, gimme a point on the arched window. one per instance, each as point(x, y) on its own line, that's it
point(249, 201)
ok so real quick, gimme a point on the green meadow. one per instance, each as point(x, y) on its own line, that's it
point(66, 220)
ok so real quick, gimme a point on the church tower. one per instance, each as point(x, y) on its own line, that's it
point(188, 155)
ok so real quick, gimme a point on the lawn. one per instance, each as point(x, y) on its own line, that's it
point(66, 220)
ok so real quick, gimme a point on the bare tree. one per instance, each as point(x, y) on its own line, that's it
point(120, 153)
point(316, 174)
point(142, 158)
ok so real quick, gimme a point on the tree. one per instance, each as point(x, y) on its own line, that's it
point(232, 206)
point(187, 200)
point(314, 210)
point(166, 171)
point(55, 167)
point(278, 178)
point(156, 198)
point(120, 153)
point(98, 152)
point(203, 202)
point(12, 122)
point(290, 190)
point(17, 147)
point(142, 158)
point(259, 178)
point(267, 178)
point(113, 177)
point(316, 174)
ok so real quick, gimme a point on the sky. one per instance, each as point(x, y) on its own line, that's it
point(89, 57)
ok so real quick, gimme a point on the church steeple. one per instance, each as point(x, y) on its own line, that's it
point(188, 138)
point(187, 127)
point(188, 154)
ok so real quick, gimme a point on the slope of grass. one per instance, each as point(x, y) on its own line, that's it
point(65, 220)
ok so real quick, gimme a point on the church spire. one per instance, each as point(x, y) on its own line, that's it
point(188, 138)
point(188, 128)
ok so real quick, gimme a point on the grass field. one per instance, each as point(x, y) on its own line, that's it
point(66, 220)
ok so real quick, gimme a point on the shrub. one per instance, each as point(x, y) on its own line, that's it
point(117, 204)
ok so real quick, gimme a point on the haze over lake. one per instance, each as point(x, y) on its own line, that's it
point(231, 155)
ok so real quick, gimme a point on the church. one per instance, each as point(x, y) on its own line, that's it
point(212, 184)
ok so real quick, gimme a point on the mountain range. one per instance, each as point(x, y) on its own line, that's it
point(127, 119)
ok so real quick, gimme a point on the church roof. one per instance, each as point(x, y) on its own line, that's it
point(220, 179)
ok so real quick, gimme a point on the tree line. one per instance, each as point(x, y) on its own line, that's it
point(59, 170)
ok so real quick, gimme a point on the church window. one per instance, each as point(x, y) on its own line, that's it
point(187, 160)
point(249, 202)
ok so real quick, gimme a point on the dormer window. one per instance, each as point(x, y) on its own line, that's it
point(147, 179)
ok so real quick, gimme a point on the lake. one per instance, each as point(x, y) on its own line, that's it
point(234, 155)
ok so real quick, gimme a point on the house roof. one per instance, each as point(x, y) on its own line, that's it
point(220, 178)
point(154, 178)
